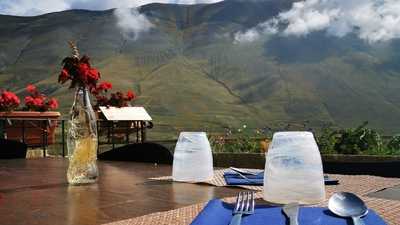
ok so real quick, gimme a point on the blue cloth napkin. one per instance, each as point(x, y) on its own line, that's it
point(217, 212)
point(232, 178)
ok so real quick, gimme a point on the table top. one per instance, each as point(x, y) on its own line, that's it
point(36, 192)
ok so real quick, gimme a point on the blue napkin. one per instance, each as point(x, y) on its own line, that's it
point(232, 178)
point(217, 212)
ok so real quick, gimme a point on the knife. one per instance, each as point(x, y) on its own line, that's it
point(291, 210)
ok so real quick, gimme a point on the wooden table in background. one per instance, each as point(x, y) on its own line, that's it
point(36, 192)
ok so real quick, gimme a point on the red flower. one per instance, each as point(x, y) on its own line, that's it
point(83, 70)
point(79, 71)
point(10, 97)
point(52, 103)
point(8, 101)
point(104, 86)
point(31, 88)
point(29, 100)
point(64, 76)
point(130, 95)
point(81, 74)
point(93, 75)
point(38, 101)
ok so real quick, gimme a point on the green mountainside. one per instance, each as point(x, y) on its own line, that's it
point(190, 75)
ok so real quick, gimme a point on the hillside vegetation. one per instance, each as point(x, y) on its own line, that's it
point(190, 75)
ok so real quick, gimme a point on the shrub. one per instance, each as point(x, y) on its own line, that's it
point(393, 145)
point(358, 140)
point(330, 140)
point(238, 140)
point(326, 141)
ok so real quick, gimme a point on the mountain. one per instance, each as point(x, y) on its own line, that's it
point(190, 75)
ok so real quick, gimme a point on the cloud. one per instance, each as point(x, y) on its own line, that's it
point(269, 27)
point(31, 7)
point(371, 20)
point(37, 7)
point(131, 22)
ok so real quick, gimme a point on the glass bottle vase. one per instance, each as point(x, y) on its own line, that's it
point(82, 140)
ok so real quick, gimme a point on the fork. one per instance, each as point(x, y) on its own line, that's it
point(244, 206)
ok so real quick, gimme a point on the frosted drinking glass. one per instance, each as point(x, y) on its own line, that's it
point(193, 160)
point(293, 169)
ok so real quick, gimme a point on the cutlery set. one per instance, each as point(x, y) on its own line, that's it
point(342, 204)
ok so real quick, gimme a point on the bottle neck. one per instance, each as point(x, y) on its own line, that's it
point(82, 96)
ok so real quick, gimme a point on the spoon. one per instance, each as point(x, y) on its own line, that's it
point(292, 211)
point(346, 204)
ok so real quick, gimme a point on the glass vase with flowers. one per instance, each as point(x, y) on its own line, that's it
point(82, 130)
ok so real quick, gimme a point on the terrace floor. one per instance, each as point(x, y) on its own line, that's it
point(35, 191)
point(391, 193)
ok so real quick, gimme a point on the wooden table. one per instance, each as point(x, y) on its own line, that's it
point(36, 192)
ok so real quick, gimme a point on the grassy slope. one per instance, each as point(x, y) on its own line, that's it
point(189, 74)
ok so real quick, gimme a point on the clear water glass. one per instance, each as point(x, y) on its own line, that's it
point(193, 160)
point(293, 169)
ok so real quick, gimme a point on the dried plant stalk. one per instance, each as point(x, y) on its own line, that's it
point(75, 51)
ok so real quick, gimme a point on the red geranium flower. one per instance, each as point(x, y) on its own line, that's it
point(39, 102)
point(8, 101)
point(130, 95)
point(9, 96)
point(53, 103)
point(79, 71)
point(93, 75)
point(104, 86)
point(29, 100)
point(83, 70)
point(82, 74)
point(31, 88)
point(64, 76)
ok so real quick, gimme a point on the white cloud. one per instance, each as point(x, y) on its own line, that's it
point(131, 22)
point(31, 7)
point(269, 27)
point(303, 20)
point(372, 20)
point(247, 36)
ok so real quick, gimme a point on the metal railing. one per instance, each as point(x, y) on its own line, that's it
point(40, 133)
point(110, 133)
